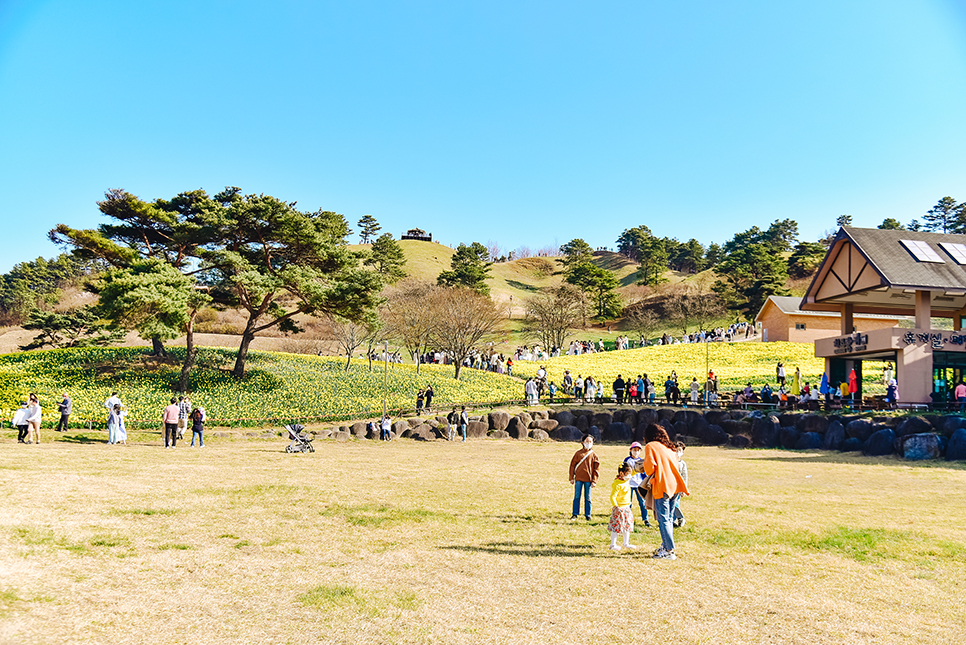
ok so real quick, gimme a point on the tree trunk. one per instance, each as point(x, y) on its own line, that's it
point(247, 336)
point(191, 353)
point(157, 348)
point(459, 366)
point(348, 359)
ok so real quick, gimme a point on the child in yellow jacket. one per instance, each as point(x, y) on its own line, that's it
point(621, 518)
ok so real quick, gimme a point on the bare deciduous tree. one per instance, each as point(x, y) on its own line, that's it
point(643, 320)
point(686, 306)
point(352, 335)
point(553, 314)
point(462, 320)
point(407, 315)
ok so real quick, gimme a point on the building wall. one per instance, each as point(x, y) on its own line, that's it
point(781, 326)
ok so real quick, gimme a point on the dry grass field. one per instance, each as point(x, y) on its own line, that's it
point(408, 542)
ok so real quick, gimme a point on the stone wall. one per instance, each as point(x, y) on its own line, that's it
point(913, 437)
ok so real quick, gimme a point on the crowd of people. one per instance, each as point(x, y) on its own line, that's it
point(176, 417)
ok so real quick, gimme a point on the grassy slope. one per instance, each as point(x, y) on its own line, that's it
point(278, 385)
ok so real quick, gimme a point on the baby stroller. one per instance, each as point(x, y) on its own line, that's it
point(301, 441)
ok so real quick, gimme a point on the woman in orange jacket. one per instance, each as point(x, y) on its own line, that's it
point(661, 465)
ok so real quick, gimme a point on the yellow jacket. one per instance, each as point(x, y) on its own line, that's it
point(620, 492)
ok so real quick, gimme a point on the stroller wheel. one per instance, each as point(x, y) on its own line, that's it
point(288, 448)
point(311, 449)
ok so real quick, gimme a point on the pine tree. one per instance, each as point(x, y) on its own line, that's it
point(387, 258)
point(368, 227)
point(945, 217)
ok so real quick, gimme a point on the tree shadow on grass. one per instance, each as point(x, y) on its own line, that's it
point(531, 550)
point(82, 438)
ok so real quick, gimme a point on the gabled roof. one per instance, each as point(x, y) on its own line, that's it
point(879, 271)
point(899, 266)
point(790, 305)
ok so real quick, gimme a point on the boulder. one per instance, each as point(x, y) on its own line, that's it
point(476, 430)
point(715, 436)
point(544, 424)
point(372, 432)
point(618, 432)
point(808, 441)
point(442, 420)
point(540, 414)
point(499, 419)
point(812, 423)
point(564, 417)
point(401, 428)
point(666, 413)
point(434, 424)
point(717, 417)
point(834, 436)
point(861, 429)
point(341, 436)
point(916, 447)
point(583, 422)
point(785, 420)
point(594, 432)
point(882, 442)
point(646, 417)
point(956, 448)
point(736, 427)
point(603, 419)
point(526, 418)
point(638, 434)
point(414, 421)
point(626, 416)
point(516, 430)
point(358, 429)
point(517, 427)
point(540, 435)
point(501, 434)
point(323, 433)
point(789, 437)
point(680, 429)
point(852, 444)
point(423, 432)
point(740, 441)
point(765, 432)
point(737, 415)
point(913, 425)
point(566, 433)
point(952, 424)
point(936, 420)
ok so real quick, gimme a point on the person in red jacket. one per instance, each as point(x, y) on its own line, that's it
point(661, 465)
point(584, 469)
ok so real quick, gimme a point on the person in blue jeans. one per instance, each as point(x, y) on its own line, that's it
point(584, 470)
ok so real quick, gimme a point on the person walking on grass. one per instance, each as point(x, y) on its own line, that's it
point(65, 408)
point(19, 421)
point(34, 416)
point(116, 431)
point(170, 419)
point(111, 401)
point(452, 419)
point(464, 421)
point(429, 398)
point(184, 411)
point(197, 428)
point(621, 519)
point(660, 465)
point(584, 470)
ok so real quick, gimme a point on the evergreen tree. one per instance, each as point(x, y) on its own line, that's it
point(368, 227)
point(890, 224)
point(468, 268)
point(600, 286)
point(575, 252)
point(945, 217)
point(387, 258)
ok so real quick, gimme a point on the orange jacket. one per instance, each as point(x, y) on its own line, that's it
point(662, 462)
point(588, 469)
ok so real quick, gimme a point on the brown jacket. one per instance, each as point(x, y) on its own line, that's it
point(588, 469)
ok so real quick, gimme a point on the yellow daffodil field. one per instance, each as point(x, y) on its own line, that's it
point(278, 387)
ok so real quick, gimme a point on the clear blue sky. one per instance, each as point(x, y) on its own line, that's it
point(526, 123)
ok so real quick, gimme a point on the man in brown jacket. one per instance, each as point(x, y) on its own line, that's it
point(584, 470)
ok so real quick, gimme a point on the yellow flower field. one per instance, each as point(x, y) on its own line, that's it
point(278, 387)
point(735, 364)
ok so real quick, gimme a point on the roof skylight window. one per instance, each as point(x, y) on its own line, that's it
point(957, 251)
point(922, 251)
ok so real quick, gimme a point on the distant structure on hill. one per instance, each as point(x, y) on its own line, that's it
point(418, 234)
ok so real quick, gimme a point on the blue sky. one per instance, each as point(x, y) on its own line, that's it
point(525, 123)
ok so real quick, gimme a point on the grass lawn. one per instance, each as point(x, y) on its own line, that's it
point(408, 542)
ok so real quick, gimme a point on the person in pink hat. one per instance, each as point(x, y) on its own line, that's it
point(633, 460)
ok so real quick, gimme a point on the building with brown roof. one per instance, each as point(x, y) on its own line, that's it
point(780, 319)
point(895, 273)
